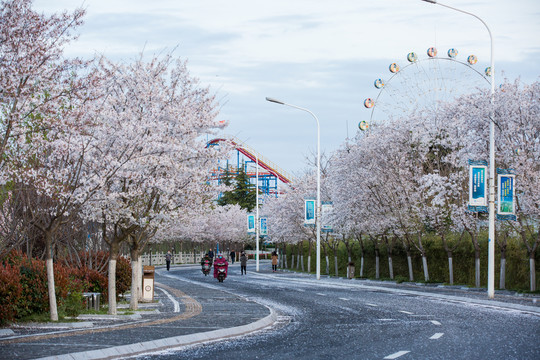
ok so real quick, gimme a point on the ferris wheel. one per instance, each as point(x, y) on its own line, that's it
point(423, 84)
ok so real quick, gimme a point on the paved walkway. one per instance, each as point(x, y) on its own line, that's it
point(192, 315)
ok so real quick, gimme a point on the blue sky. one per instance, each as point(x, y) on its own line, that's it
point(321, 55)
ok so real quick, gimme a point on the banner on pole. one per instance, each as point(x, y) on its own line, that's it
point(251, 224)
point(309, 212)
point(506, 206)
point(326, 209)
point(478, 186)
point(263, 227)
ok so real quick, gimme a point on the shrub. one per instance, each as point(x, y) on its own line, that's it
point(123, 276)
point(24, 291)
point(35, 297)
point(10, 292)
point(72, 304)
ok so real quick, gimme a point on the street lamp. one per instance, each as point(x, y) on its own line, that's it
point(257, 225)
point(491, 249)
point(318, 216)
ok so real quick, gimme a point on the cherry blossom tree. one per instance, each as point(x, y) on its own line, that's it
point(151, 136)
point(44, 102)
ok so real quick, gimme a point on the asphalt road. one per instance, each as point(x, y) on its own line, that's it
point(347, 320)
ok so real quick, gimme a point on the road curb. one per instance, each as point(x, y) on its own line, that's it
point(169, 343)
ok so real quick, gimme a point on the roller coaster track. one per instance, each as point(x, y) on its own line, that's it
point(254, 156)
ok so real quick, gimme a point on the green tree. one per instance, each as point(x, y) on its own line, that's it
point(243, 192)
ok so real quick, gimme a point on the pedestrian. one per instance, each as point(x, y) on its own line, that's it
point(168, 258)
point(211, 255)
point(274, 261)
point(233, 256)
point(243, 263)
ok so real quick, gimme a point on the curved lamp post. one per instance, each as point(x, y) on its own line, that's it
point(257, 225)
point(491, 249)
point(318, 216)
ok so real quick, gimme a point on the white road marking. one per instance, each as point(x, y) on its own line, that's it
point(437, 336)
point(396, 355)
point(406, 312)
point(344, 299)
point(321, 294)
point(175, 303)
point(374, 305)
point(386, 319)
point(435, 322)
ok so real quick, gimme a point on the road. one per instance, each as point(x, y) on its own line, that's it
point(344, 319)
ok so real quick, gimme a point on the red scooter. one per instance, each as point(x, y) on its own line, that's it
point(220, 268)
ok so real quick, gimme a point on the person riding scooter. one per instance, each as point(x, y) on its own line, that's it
point(206, 264)
point(220, 268)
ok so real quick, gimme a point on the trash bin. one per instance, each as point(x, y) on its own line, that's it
point(148, 283)
point(350, 270)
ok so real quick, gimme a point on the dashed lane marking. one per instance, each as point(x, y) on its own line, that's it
point(436, 336)
point(396, 355)
point(373, 305)
point(406, 312)
point(435, 322)
point(321, 294)
point(344, 299)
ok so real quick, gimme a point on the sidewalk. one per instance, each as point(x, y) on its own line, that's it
point(193, 315)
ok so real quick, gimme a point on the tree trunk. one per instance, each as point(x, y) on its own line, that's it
point(50, 278)
point(139, 277)
point(425, 266)
point(135, 284)
point(327, 265)
point(532, 271)
point(336, 264)
point(284, 257)
point(450, 269)
point(362, 266)
point(477, 268)
point(302, 256)
point(298, 257)
point(112, 286)
point(390, 267)
point(502, 278)
point(409, 264)
point(377, 272)
point(114, 250)
point(309, 263)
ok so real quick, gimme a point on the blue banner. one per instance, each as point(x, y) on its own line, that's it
point(477, 187)
point(309, 212)
point(251, 224)
point(506, 205)
point(264, 227)
point(326, 209)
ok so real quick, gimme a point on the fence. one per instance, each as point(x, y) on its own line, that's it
point(188, 258)
point(178, 258)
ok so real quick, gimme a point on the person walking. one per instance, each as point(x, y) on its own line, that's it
point(274, 261)
point(233, 256)
point(211, 255)
point(168, 258)
point(243, 263)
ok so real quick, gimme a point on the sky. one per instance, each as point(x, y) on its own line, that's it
point(319, 55)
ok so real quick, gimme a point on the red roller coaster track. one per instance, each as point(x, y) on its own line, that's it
point(250, 154)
